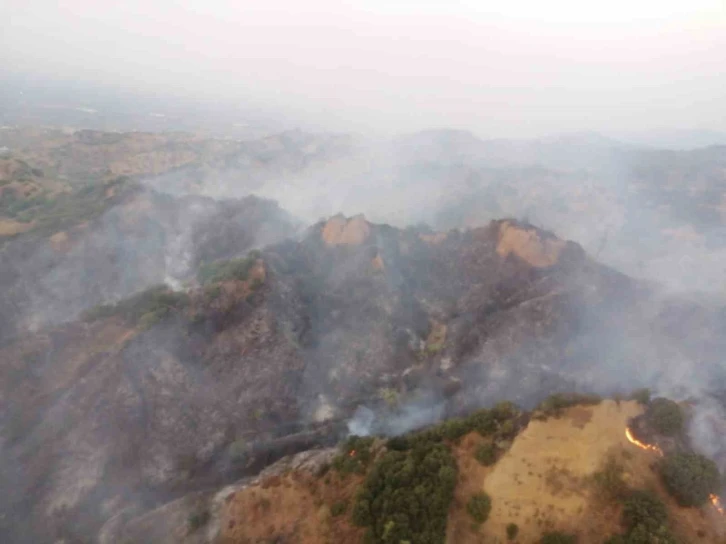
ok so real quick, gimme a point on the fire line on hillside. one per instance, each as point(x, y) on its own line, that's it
point(715, 499)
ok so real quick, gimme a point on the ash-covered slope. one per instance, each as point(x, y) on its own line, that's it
point(171, 392)
point(50, 275)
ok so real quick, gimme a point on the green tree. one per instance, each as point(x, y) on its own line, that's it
point(486, 454)
point(642, 396)
point(645, 509)
point(609, 480)
point(479, 507)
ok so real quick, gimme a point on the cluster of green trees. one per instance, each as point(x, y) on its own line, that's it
point(62, 211)
point(155, 303)
point(610, 481)
point(408, 491)
point(665, 416)
point(406, 495)
point(690, 477)
point(233, 269)
point(642, 396)
point(145, 308)
point(498, 422)
point(645, 520)
point(355, 455)
point(486, 454)
point(555, 404)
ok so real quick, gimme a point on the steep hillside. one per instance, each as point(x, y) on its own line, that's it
point(572, 472)
point(106, 242)
point(172, 392)
point(655, 214)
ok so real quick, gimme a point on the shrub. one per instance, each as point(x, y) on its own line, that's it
point(646, 509)
point(198, 520)
point(479, 507)
point(234, 269)
point(642, 535)
point(338, 508)
point(554, 404)
point(506, 430)
point(690, 477)
point(486, 454)
point(65, 210)
point(641, 395)
point(406, 495)
point(609, 480)
point(498, 422)
point(504, 410)
point(512, 531)
point(144, 308)
point(558, 537)
point(212, 292)
point(645, 519)
point(665, 416)
point(355, 455)
point(238, 450)
point(389, 396)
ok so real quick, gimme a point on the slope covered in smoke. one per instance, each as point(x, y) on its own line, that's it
point(70, 261)
point(654, 214)
point(171, 392)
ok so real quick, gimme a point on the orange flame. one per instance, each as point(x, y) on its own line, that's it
point(641, 445)
point(716, 501)
point(352, 453)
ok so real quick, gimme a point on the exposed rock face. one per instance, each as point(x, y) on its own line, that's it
point(529, 245)
point(342, 231)
point(105, 417)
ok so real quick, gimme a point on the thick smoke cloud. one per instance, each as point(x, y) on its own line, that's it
point(518, 69)
point(614, 199)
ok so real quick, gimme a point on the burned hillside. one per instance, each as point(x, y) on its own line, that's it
point(174, 391)
point(130, 239)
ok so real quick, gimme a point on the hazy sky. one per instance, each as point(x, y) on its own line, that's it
point(508, 68)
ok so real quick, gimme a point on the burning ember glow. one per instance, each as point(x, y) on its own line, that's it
point(641, 445)
point(716, 501)
point(352, 453)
